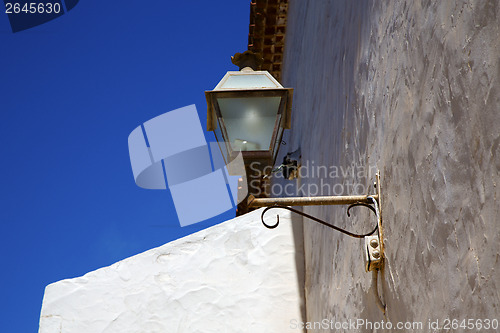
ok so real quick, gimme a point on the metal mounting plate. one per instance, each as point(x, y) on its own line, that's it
point(380, 229)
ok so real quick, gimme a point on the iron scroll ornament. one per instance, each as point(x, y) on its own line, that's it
point(374, 210)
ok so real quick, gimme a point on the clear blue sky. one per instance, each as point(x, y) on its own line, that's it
point(71, 92)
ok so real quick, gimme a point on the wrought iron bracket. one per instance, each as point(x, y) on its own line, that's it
point(374, 240)
point(318, 220)
point(374, 254)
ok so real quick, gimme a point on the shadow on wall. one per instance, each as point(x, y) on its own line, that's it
point(298, 238)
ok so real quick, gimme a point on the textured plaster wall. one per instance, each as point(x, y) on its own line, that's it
point(237, 276)
point(411, 88)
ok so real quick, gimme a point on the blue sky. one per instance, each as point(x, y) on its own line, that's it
point(71, 92)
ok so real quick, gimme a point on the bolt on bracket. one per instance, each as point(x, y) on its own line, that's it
point(373, 257)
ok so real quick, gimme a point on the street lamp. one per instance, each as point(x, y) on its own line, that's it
point(248, 111)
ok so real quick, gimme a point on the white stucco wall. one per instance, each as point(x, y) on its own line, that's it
point(237, 276)
point(411, 88)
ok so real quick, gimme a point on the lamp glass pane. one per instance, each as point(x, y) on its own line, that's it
point(250, 121)
point(278, 141)
point(220, 140)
